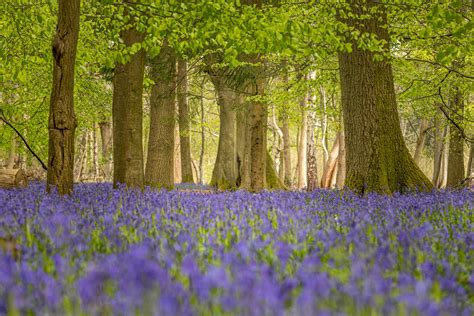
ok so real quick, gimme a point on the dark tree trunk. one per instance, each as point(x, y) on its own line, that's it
point(376, 155)
point(456, 143)
point(159, 170)
point(127, 113)
point(62, 121)
point(184, 136)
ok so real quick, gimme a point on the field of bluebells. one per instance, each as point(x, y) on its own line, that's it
point(116, 252)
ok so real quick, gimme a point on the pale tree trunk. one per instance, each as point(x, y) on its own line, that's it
point(224, 175)
point(79, 163)
point(127, 113)
point(62, 121)
point(302, 145)
point(286, 148)
point(12, 154)
point(312, 169)
point(341, 162)
point(184, 129)
point(277, 142)
point(106, 142)
point(324, 126)
point(331, 164)
point(243, 144)
point(203, 135)
point(444, 176)
point(438, 148)
point(376, 155)
point(159, 171)
point(420, 142)
point(456, 143)
point(177, 156)
point(470, 164)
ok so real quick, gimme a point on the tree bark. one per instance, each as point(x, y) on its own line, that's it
point(302, 168)
point(312, 169)
point(376, 155)
point(243, 144)
point(203, 135)
point(324, 126)
point(420, 142)
point(127, 113)
point(62, 121)
point(456, 143)
point(159, 171)
point(341, 162)
point(331, 164)
point(106, 141)
point(224, 175)
point(184, 135)
point(285, 128)
point(438, 148)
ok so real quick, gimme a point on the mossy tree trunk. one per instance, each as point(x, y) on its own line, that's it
point(127, 113)
point(62, 121)
point(184, 136)
point(159, 171)
point(376, 155)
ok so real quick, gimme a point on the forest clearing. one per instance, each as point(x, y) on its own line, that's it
point(236, 157)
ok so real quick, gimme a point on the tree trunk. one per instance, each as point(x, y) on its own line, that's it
point(456, 143)
point(127, 113)
point(184, 136)
point(285, 128)
point(159, 171)
point(62, 121)
point(420, 142)
point(324, 126)
point(203, 135)
point(243, 145)
point(106, 141)
point(312, 169)
point(177, 155)
point(224, 175)
point(302, 168)
point(258, 139)
point(341, 162)
point(331, 164)
point(438, 148)
point(470, 165)
point(376, 155)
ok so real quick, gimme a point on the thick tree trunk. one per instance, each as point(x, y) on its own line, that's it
point(224, 175)
point(376, 155)
point(127, 113)
point(106, 141)
point(62, 121)
point(258, 139)
point(331, 164)
point(312, 169)
point(184, 136)
point(420, 142)
point(456, 143)
point(243, 144)
point(302, 168)
point(341, 162)
point(159, 171)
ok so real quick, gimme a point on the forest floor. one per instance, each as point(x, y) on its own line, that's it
point(106, 251)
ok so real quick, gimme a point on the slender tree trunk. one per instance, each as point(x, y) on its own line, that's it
point(278, 143)
point(470, 165)
point(376, 155)
point(178, 177)
point(438, 148)
point(224, 175)
point(62, 121)
point(286, 147)
point(444, 176)
point(420, 143)
point(106, 141)
point(302, 168)
point(184, 136)
point(341, 162)
point(324, 126)
point(456, 143)
point(159, 171)
point(312, 170)
point(79, 163)
point(203, 135)
point(331, 164)
point(243, 145)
